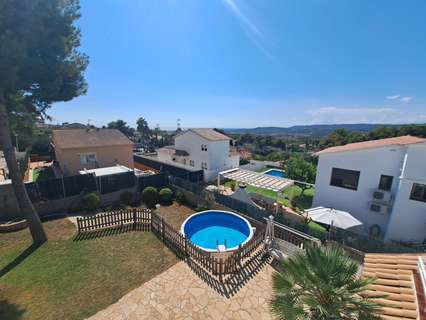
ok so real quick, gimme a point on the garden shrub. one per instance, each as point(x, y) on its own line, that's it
point(126, 197)
point(150, 197)
point(180, 198)
point(202, 206)
point(166, 196)
point(90, 202)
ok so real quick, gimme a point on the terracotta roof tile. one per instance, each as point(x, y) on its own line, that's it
point(210, 134)
point(84, 138)
point(395, 286)
point(403, 140)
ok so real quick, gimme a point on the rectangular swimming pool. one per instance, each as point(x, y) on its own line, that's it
point(275, 173)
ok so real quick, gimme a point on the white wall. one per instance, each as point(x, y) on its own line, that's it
point(371, 163)
point(408, 219)
point(217, 157)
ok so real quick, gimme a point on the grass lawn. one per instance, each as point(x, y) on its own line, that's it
point(302, 201)
point(44, 173)
point(66, 279)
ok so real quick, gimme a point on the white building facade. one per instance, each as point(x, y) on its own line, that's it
point(202, 149)
point(382, 183)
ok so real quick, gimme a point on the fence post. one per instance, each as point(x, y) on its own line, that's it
point(134, 218)
point(162, 229)
point(220, 269)
point(186, 247)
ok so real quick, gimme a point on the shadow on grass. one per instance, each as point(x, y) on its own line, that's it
point(22, 256)
point(10, 311)
point(107, 232)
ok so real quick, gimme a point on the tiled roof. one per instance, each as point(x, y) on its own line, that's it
point(84, 138)
point(403, 140)
point(210, 134)
point(395, 280)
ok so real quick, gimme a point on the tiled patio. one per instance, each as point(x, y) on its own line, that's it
point(179, 293)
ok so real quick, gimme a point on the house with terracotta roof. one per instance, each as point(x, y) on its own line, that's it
point(381, 182)
point(81, 149)
point(203, 149)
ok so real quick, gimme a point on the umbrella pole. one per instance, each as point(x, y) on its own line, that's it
point(330, 231)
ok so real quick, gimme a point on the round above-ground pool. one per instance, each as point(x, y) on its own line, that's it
point(208, 229)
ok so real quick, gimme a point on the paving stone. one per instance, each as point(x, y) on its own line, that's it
point(178, 293)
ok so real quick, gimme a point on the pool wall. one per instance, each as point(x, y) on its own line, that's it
point(199, 214)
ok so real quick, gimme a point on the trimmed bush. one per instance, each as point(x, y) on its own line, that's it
point(90, 202)
point(126, 197)
point(150, 197)
point(180, 198)
point(202, 206)
point(166, 196)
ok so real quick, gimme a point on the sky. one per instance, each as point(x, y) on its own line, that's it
point(251, 63)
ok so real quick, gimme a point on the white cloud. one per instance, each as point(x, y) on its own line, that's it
point(328, 115)
point(406, 99)
point(399, 98)
point(395, 97)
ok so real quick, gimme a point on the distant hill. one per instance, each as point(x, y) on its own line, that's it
point(316, 130)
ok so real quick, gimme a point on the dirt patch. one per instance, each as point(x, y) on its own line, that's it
point(175, 214)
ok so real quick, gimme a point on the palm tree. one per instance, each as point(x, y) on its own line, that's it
point(322, 284)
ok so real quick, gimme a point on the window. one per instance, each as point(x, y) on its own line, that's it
point(385, 182)
point(203, 147)
point(418, 192)
point(345, 178)
point(203, 165)
point(87, 158)
point(192, 163)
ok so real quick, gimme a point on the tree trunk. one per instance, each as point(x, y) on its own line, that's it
point(24, 202)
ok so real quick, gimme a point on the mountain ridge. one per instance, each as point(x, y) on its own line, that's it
point(317, 130)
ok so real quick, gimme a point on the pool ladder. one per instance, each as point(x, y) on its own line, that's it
point(221, 247)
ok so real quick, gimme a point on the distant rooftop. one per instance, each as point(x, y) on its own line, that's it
point(84, 138)
point(210, 134)
point(403, 140)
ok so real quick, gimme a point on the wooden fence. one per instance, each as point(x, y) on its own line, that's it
point(138, 218)
point(220, 265)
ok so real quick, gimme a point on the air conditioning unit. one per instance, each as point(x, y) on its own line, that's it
point(382, 196)
point(379, 208)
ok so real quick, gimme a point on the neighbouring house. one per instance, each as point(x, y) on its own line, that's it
point(79, 149)
point(380, 182)
point(203, 149)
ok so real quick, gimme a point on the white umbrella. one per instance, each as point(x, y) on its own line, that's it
point(333, 217)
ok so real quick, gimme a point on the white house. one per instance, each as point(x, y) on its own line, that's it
point(380, 182)
point(204, 149)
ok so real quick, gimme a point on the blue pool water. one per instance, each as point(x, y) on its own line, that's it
point(207, 229)
point(275, 173)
